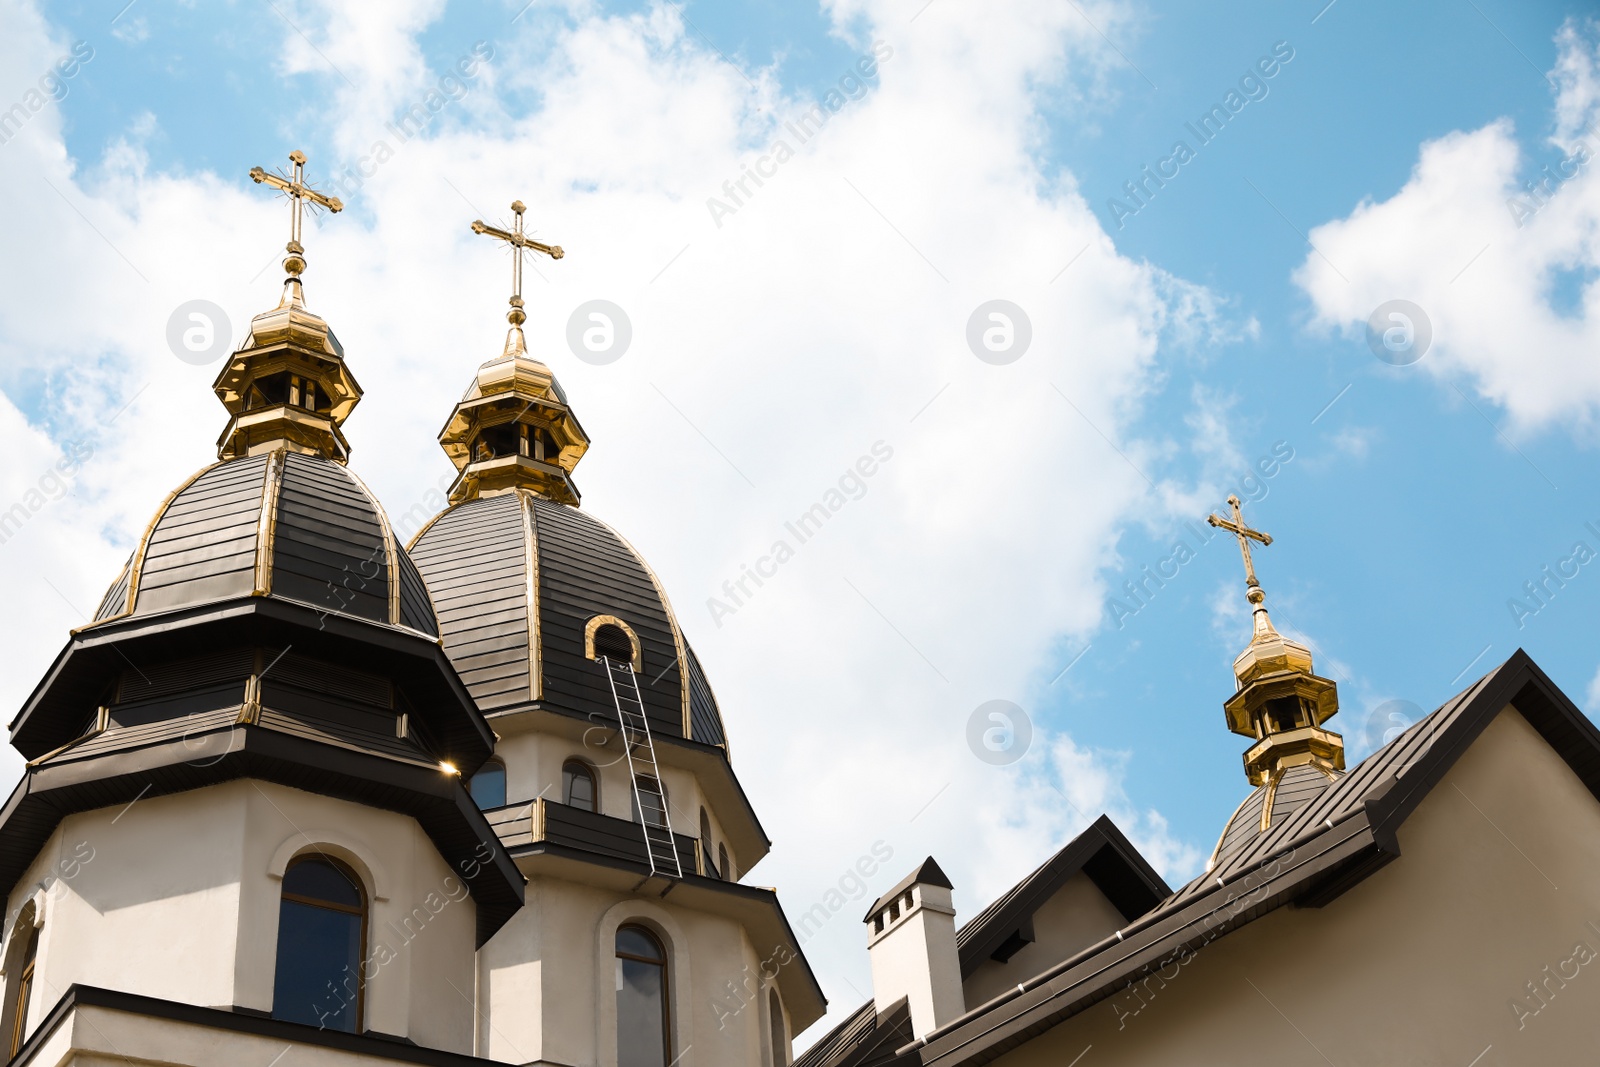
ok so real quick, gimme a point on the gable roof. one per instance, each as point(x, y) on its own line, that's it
point(1324, 848)
point(1101, 852)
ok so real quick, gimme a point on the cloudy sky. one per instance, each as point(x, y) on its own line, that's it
point(1338, 258)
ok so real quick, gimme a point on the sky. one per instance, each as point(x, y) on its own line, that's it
point(1066, 275)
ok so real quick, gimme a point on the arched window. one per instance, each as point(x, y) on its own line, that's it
point(606, 636)
point(780, 1036)
point(722, 863)
point(578, 786)
point(712, 867)
point(322, 923)
point(643, 1034)
point(612, 642)
point(488, 786)
point(649, 801)
point(21, 954)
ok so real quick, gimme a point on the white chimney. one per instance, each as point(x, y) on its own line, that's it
point(911, 938)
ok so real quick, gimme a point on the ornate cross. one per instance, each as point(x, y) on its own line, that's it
point(520, 244)
point(1245, 535)
point(295, 188)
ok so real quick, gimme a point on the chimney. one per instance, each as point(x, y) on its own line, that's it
point(911, 939)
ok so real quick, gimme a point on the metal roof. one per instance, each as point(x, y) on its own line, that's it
point(282, 524)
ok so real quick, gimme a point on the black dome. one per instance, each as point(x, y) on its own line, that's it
point(282, 524)
point(522, 585)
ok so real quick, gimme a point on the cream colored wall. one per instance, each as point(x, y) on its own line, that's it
point(179, 900)
point(533, 764)
point(1077, 916)
point(548, 979)
point(101, 1037)
point(1498, 878)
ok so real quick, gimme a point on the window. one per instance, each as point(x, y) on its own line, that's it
point(21, 963)
point(488, 786)
point(610, 641)
point(321, 931)
point(577, 786)
point(642, 1032)
point(722, 863)
point(1286, 713)
point(780, 1039)
point(648, 793)
point(713, 868)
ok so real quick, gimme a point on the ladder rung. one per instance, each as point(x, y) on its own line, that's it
point(660, 843)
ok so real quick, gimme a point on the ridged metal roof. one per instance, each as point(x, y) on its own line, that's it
point(283, 524)
point(1297, 786)
point(516, 580)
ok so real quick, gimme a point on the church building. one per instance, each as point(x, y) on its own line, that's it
point(303, 794)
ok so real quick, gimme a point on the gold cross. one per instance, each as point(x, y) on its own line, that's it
point(1245, 535)
point(295, 188)
point(520, 244)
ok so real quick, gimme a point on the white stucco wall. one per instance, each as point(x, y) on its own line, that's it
point(548, 979)
point(179, 900)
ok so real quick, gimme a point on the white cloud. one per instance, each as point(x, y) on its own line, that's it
point(818, 319)
point(1506, 274)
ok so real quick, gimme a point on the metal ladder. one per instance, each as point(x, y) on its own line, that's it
point(660, 844)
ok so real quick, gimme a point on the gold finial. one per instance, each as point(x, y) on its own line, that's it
point(1253, 592)
point(287, 386)
point(1280, 701)
point(293, 185)
point(514, 429)
point(520, 244)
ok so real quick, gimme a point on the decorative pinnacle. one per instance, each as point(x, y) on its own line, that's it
point(293, 185)
point(1253, 590)
point(520, 245)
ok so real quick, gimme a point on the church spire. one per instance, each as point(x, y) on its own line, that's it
point(1280, 701)
point(287, 386)
point(513, 428)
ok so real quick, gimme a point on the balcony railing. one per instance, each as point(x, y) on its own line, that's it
point(548, 821)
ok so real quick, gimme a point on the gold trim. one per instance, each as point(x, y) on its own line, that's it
point(250, 710)
point(1268, 797)
point(267, 523)
point(598, 621)
point(530, 568)
point(136, 565)
point(538, 819)
point(391, 551)
point(672, 620)
point(420, 534)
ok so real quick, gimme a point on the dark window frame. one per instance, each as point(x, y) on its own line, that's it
point(572, 763)
point(665, 963)
point(659, 791)
point(498, 764)
point(778, 1032)
point(363, 909)
point(21, 994)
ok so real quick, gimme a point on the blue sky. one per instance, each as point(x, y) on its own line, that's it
point(1419, 499)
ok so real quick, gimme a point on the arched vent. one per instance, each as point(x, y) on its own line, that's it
point(609, 636)
point(611, 642)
